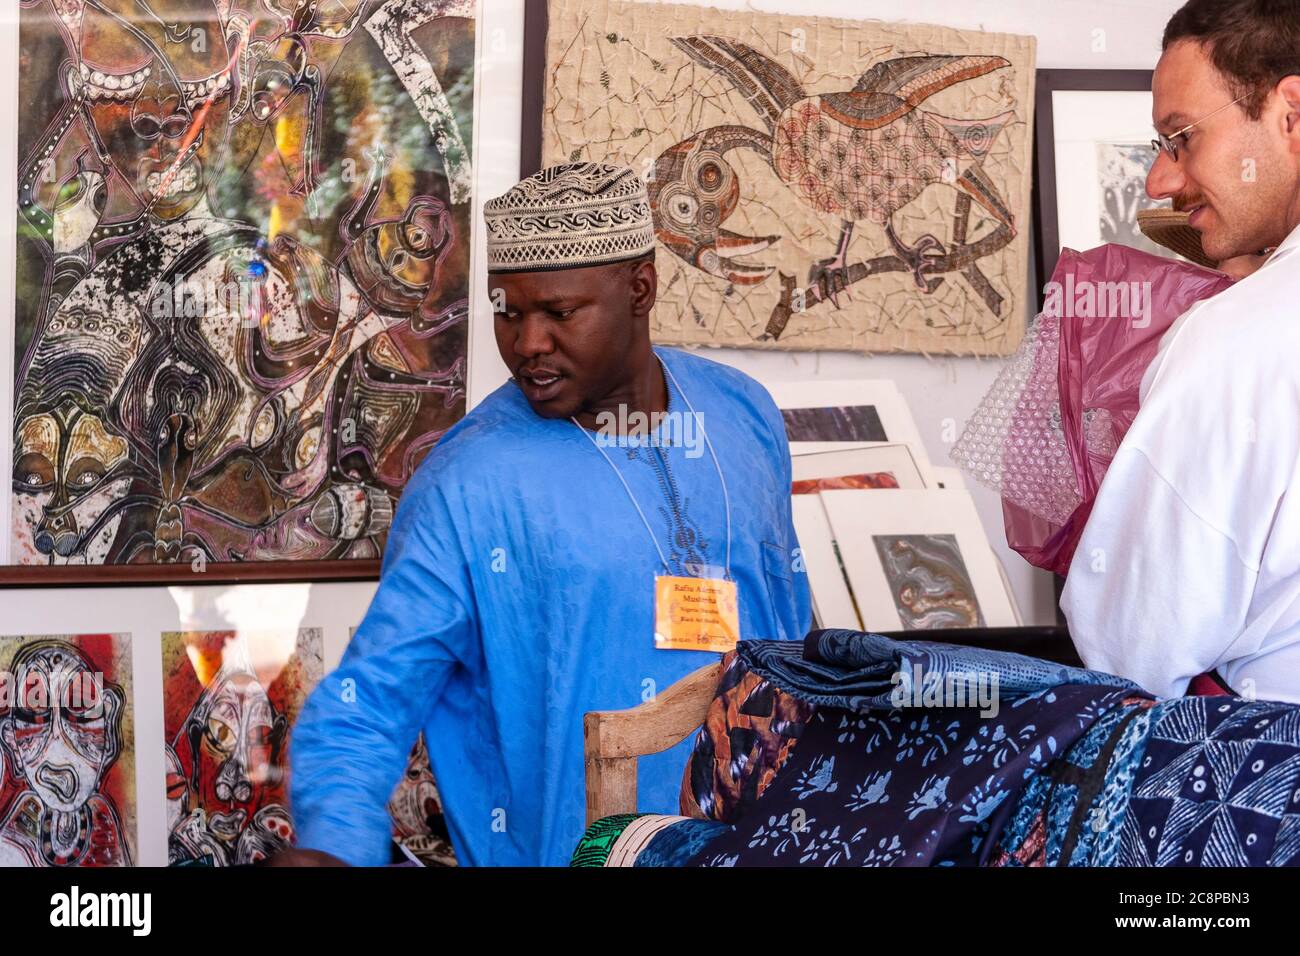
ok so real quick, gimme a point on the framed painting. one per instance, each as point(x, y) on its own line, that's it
point(230, 699)
point(1093, 136)
point(842, 415)
point(918, 560)
point(816, 183)
point(238, 320)
point(67, 751)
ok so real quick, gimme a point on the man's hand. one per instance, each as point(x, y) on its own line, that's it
point(302, 857)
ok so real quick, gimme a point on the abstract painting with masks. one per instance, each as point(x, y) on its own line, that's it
point(816, 183)
point(67, 751)
point(229, 701)
point(419, 824)
point(242, 274)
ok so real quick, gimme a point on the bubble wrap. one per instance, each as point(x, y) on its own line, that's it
point(1013, 443)
point(1044, 442)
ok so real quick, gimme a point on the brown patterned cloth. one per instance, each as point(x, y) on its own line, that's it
point(749, 731)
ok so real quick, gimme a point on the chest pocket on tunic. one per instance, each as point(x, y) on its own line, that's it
point(780, 588)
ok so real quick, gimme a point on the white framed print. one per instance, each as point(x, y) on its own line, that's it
point(867, 466)
point(832, 600)
point(918, 560)
point(836, 415)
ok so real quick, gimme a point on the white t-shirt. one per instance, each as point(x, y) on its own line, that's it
point(1190, 560)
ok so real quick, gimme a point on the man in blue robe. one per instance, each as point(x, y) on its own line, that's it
point(518, 588)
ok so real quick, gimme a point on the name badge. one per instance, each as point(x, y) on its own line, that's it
point(696, 614)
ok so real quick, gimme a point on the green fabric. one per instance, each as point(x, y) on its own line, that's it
point(599, 838)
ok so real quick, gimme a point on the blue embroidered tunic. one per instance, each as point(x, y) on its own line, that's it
point(517, 593)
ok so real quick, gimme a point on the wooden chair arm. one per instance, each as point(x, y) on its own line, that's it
point(614, 739)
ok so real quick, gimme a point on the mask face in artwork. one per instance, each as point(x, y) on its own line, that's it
point(238, 734)
point(62, 733)
point(159, 79)
point(270, 831)
point(66, 460)
point(414, 805)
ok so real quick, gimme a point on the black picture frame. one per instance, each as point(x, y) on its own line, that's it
point(1046, 227)
point(537, 20)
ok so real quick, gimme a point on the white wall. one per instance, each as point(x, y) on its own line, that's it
point(936, 389)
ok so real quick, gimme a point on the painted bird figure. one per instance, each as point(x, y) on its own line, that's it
point(861, 154)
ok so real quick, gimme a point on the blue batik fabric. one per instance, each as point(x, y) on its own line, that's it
point(1218, 785)
point(859, 671)
point(875, 783)
point(1074, 768)
point(1076, 810)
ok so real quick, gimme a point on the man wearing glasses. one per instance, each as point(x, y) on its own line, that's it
point(1190, 561)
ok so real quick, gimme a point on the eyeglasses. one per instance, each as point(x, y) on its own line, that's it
point(1167, 142)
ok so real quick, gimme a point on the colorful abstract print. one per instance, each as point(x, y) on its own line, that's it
point(242, 274)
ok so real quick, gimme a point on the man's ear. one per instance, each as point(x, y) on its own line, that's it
point(645, 287)
point(1289, 90)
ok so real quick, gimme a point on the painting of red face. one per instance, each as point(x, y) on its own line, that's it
point(67, 759)
point(158, 90)
point(229, 702)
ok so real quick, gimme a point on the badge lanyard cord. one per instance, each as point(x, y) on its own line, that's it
point(726, 499)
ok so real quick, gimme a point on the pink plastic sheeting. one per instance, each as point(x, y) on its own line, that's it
point(1047, 430)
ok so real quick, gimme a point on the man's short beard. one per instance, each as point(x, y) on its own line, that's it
point(1239, 237)
point(1260, 219)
